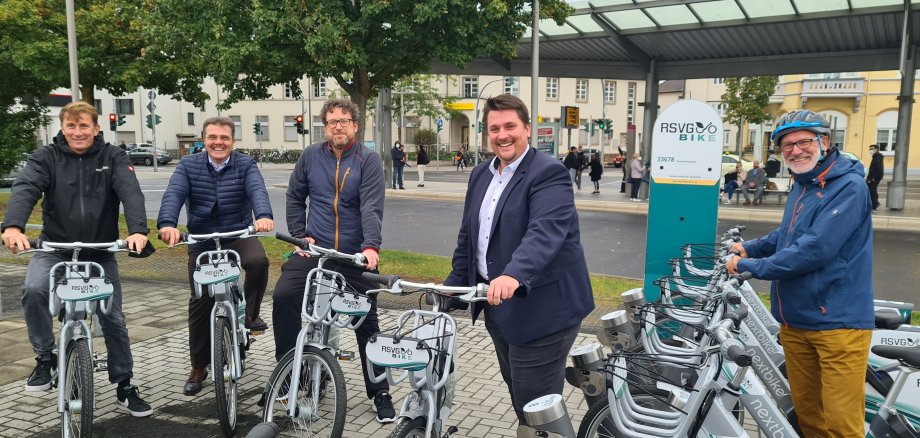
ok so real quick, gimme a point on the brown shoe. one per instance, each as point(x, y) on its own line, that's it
point(193, 384)
point(746, 203)
point(757, 202)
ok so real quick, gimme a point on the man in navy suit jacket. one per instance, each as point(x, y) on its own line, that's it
point(520, 235)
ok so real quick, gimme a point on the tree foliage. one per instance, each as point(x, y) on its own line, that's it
point(425, 137)
point(746, 98)
point(365, 45)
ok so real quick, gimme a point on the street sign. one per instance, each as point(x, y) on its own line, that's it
point(151, 107)
point(152, 94)
point(440, 122)
point(570, 115)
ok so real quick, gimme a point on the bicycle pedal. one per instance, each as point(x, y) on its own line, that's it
point(450, 431)
point(345, 355)
point(256, 332)
point(100, 365)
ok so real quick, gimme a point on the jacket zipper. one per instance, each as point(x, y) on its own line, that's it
point(82, 208)
point(335, 203)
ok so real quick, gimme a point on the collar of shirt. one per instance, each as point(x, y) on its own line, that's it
point(218, 167)
point(496, 162)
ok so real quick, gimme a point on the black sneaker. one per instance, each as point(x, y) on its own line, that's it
point(128, 398)
point(383, 406)
point(43, 375)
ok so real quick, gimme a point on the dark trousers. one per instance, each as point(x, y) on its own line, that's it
point(873, 192)
point(288, 299)
point(398, 176)
point(533, 369)
point(255, 264)
point(634, 189)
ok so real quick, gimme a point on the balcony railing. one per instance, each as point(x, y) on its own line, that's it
point(844, 87)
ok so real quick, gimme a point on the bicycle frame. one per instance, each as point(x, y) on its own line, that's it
point(217, 270)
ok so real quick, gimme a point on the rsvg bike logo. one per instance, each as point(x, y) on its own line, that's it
point(691, 131)
point(397, 352)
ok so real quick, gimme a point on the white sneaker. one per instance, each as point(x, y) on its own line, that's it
point(727, 202)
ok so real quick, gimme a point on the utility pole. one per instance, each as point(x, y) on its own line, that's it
point(72, 52)
point(152, 94)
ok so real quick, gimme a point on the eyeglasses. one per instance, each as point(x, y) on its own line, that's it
point(340, 122)
point(802, 144)
point(223, 138)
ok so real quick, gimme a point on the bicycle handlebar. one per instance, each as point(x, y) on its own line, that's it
point(38, 245)
point(188, 238)
point(396, 286)
point(358, 259)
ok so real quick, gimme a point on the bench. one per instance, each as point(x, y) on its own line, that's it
point(781, 191)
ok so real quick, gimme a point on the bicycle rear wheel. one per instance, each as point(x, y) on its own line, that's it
point(225, 387)
point(77, 418)
point(406, 428)
point(321, 398)
point(598, 422)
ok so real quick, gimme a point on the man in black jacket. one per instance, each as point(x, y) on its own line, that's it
point(421, 162)
point(83, 181)
point(876, 173)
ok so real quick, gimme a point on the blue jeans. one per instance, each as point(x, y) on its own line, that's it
point(398, 176)
point(730, 188)
point(39, 320)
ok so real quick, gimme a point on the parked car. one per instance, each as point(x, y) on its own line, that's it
point(8, 179)
point(729, 161)
point(144, 155)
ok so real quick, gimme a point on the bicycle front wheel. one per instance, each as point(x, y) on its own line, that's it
point(224, 385)
point(77, 418)
point(414, 428)
point(321, 399)
point(598, 422)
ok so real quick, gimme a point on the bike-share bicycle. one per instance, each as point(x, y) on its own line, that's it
point(421, 350)
point(77, 289)
point(314, 404)
point(217, 273)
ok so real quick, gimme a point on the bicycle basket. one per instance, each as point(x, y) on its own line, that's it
point(409, 354)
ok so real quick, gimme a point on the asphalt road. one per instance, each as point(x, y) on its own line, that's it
point(614, 242)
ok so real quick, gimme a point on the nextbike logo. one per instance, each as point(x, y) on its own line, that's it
point(215, 272)
point(900, 342)
point(397, 352)
point(691, 131)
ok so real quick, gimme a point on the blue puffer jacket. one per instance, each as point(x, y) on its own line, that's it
point(345, 197)
point(238, 191)
point(820, 257)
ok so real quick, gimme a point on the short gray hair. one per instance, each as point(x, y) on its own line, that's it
point(220, 121)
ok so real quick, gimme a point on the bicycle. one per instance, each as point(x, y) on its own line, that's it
point(890, 422)
point(76, 290)
point(316, 401)
point(218, 272)
point(422, 346)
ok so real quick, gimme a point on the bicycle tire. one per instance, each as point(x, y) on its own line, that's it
point(597, 422)
point(406, 428)
point(77, 418)
point(225, 388)
point(322, 416)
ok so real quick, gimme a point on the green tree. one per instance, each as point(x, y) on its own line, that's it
point(365, 45)
point(425, 137)
point(745, 100)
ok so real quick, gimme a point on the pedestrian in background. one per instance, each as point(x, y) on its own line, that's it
point(582, 162)
point(459, 159)
point(636, 173)
point(571, 164)
point(595, 173)
point(876, 173)
point(399, 164)
point(519, 234)
point(731, 183)
point(421, 162)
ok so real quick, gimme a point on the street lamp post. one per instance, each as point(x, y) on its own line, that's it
point(476, 121)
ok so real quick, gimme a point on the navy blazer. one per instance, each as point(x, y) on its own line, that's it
point(535, 239)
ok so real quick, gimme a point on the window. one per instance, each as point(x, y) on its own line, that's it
point(237, 127)
point(631, 103)
point(290, 129)
point(288, 92)
point(318, 133)
point(511, 85)
point(263, 121)
point(470, 87)
point(319, 87)
point(610, 92)
point(98, 104)
point(584, 135)
point(719, 107)
point(552, 88)
point(718, 81)
point(581, 90)
point(886, 132)
point(124, 106)
point(726, 137)
point(191, 119)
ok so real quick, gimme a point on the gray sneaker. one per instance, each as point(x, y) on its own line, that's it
point(43, 375)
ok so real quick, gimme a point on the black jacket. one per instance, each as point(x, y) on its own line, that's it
point(422, 157)
point(81, 193)
point(876, 167)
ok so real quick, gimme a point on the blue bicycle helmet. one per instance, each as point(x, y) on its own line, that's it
point(797, 121)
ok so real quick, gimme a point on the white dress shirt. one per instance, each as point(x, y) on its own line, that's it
point(500, 180)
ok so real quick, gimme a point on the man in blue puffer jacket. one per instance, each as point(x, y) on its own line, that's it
point(820, 261)
point(223, 190)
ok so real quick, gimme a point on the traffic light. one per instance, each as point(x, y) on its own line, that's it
point(257, 128)
point(601, 124)
point(479, 129)
point(121, 120)
point(152, 120)
point(298, 122)
point(608, 126)
point(113, 120)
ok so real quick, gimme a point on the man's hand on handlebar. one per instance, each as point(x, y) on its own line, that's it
point(15, 240)
point(739, 248)
point(502, 288)
point(732, 265)
point(372, 258)
point(170, 235)
point(264, 225)
point(300, 251)
point(137, 242)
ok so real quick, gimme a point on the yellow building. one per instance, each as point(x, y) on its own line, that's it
point(862, 108)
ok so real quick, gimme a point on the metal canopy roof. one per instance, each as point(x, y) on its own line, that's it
point(617, 39)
